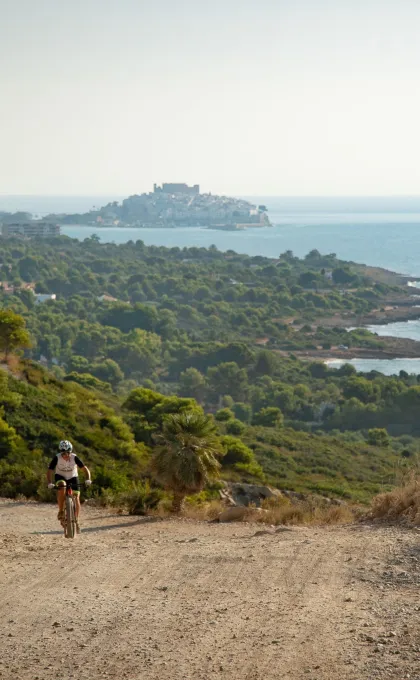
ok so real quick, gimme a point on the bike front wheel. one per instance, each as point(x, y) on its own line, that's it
point(70, 525)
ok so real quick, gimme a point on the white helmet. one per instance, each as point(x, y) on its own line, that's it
point(65, 446)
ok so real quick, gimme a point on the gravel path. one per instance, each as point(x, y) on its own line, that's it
point(133, 598)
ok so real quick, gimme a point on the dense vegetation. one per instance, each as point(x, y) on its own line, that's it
point(190, 323)
point(171, 303)
point(118, 438)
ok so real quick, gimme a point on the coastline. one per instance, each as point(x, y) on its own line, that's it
point(395, 348)
point(400, 306)
point(397, 310)
point(402, 309)
point(102, 227)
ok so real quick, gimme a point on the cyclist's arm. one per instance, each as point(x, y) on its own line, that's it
point(51, 469)
point(86, 471)
point(83, 467)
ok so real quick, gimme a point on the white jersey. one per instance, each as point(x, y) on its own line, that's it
point(67, 468)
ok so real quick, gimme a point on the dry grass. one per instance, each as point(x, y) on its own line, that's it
point(400, 504)
point(275, 512)
point(206, 511)
point(305, 512)
point(11, 364)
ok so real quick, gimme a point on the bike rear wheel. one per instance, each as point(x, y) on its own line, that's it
point(70, 524)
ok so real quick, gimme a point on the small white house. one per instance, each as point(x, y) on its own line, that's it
point(44, 297)
point(106, 298)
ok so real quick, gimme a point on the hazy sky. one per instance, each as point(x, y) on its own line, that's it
point(269, 97)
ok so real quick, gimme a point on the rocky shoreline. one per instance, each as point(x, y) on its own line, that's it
point(395, 348)
point(402, 309)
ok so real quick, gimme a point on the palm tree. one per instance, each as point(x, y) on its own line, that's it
point(186, 458)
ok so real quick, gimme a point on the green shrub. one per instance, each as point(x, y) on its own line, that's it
point(109, 477)
point(224, 414)
point(16, 480)
point(8, 439)
point(378, 437)
point(236, 452)
point(242, 412)
point(88, 380)
point(235, 427)
point(269, 417)
point(142, 498)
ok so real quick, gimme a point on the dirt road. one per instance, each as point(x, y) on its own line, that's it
point(133, 598)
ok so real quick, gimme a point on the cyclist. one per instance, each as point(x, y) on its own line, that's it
point(65, 465)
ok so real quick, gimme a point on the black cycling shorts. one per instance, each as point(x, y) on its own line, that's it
point(73, 482)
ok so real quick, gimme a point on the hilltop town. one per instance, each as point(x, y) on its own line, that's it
point(173, 205)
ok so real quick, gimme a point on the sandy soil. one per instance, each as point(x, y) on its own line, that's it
point(135, 598)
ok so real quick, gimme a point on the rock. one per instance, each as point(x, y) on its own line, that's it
point(294, 495)
point(282, 528)
point(226, 498)
point(235, 514)
point(248, 494)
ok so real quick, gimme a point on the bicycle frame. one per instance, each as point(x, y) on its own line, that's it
point(69, 520)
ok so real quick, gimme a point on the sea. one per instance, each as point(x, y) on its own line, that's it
point(384, 232)
point(379, 231)
point(400, 329)
point(385, 366)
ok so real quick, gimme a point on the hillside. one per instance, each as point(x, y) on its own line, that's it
point(172, 205)
point(197, 329)
point(165, 598)
point(180, 599)
point(115, 437)
point(37, 410)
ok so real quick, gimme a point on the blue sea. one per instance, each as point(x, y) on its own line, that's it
point(384, 232)
point(399, 329)
point(379, 231)
point(385, 366)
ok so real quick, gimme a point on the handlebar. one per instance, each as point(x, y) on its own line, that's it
point(67, 485)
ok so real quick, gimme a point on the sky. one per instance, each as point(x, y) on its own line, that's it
point(244, 97)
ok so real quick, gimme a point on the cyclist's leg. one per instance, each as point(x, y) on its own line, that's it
point(77, 504)
point(61, 494)
point(76, 495)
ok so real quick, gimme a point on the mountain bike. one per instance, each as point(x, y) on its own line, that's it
point(69, 520)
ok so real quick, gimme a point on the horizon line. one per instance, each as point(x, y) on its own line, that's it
point(312, 196)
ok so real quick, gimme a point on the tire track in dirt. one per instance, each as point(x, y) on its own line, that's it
point(184, 600)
